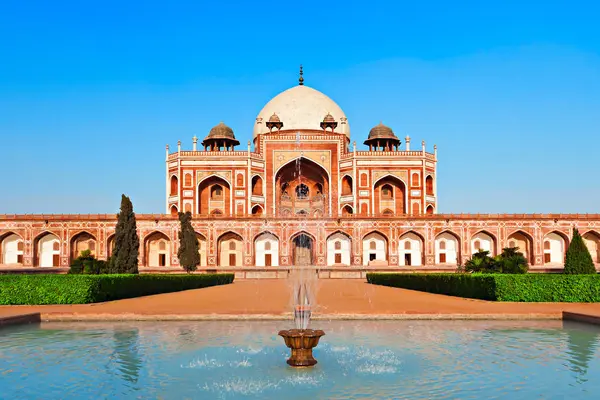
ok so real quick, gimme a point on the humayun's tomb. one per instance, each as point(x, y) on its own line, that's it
point(301, 195)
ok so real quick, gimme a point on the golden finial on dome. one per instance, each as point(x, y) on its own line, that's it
point(301, 80)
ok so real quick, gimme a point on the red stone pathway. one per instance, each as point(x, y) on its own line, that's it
point(272, 298)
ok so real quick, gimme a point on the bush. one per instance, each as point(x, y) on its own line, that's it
point(81, 289)
point(511, 261)
point(578, 259)
point(87, 264)
point(499, 287)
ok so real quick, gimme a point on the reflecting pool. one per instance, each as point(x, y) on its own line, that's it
point(357, 359)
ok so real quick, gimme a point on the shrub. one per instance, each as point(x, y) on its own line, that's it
point(578, 259)
point(87, 264)
point(481, 262)
point(81, 289)
point(499, 287)
point(511, 261)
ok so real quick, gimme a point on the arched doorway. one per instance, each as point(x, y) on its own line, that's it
point(554, 249)
point(214, 197)
point(338, 249)
point(523, 242)
point(346, 186)
point(11, 249)
point(302, 188)
point(157, 250)
point(390, 196)
point(81, 242)
point(483, 241)
point(47, 250)
point(257, 186)
point(303, 249)
point(230, 248)
point(266, 250)
point(410, 250)
point(374, 249)
point(447, 249)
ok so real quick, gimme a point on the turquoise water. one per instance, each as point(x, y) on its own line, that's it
point(357, 359)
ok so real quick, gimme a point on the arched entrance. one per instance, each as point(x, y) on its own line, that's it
point(483, 241)
point(390, 196)
point(447, 248)
point(302, 188)
point(81, 242)
point(11, 249)
point(303, 249)
point(266, 250)
point(47, 250)
point(214, 197)
point(410, 249)
point(157, 247)
point(230, 247)
point(523, 242)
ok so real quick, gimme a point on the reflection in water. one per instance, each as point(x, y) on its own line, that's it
point(245, 359)
point(582, 344)
point(126, 354)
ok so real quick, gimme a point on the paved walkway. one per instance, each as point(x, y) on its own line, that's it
point(272, 298)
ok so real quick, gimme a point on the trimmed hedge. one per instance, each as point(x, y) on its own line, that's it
point(82, 289)
point(499, 287)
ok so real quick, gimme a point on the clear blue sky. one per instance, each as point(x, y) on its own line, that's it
point(90, 92)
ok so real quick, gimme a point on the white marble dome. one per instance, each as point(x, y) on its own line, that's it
point(301, 107)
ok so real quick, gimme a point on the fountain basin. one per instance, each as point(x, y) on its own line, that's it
point(301, 342)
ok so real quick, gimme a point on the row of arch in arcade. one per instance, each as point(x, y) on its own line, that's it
point(156, 248)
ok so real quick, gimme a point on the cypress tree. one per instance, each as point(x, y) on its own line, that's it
point(578, 259)
point(125, 255)
point(189, 258)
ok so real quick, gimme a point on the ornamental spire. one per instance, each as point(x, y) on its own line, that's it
point(301, 79)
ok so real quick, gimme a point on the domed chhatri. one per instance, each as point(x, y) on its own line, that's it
point(274, 123)
point(382, 136)
point(220, 136)
point(221, 131)
point(329, 122)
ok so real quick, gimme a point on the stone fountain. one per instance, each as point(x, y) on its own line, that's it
point(302, 340)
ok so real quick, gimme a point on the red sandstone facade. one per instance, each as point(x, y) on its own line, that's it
point(302, 196)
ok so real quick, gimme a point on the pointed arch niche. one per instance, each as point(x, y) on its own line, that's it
point(390, 196)
point(483, 241)
point(554, 248)
point(447, 248)
point(214, 197)
point(47, 250)
point(266, 250)
point(230, 249)
point(523, 242)
point(374, 249)
point(338, 249)
point(11, 249)
point(257, 185)
point(301, 188)
point(81, 242)
point(157, 249)
point(346, 185)
point(410, 250)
